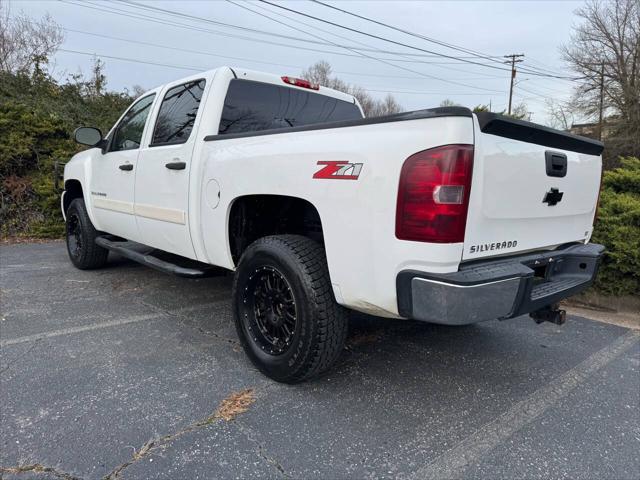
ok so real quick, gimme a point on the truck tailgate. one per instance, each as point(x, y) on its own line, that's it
point(532, 188)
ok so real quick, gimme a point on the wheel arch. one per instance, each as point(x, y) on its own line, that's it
point(251, 217)
point(72, 190)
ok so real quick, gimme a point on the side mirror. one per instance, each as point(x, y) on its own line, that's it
point(88, 136)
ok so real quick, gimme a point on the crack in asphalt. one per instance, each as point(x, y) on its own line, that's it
point(20, 357)
point(182, 321)
point(154, 444)
point(260, 449)
point(165, 440)
point(38, 468)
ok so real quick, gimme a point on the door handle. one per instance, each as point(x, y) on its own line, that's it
point(175, 165)
point(126, 166)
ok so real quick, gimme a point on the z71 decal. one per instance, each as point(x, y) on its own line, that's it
point(338, 170)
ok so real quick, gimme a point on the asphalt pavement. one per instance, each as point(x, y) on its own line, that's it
point(118, 373)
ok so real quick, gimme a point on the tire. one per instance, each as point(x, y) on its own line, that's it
point(81, 238)
point(286, 316)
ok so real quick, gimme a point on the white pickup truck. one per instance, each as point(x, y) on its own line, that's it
point(439, 215)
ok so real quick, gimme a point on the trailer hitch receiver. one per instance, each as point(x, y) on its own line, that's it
point(551, 314)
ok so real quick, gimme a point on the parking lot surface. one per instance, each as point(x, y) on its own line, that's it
point(118, 373)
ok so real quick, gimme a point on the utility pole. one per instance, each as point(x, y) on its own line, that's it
point(601, 113)
point(515, 58)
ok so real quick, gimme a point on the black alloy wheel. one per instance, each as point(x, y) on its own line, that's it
point(270, 310)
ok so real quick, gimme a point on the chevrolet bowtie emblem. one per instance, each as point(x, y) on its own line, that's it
point(552, 197)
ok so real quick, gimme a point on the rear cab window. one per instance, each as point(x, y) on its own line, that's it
point(252, 106)
point(177, 114)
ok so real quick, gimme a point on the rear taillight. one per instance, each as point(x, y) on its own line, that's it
point(433, 196)
point(299, 82)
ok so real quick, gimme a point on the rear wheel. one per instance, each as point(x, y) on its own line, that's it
point(285, 313)
point(81, 238)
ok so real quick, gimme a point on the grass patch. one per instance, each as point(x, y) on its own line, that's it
point(234, 405)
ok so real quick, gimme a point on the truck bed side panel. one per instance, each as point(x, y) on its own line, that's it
point(358, 216)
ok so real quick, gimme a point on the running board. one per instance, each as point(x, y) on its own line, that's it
point(158, 259)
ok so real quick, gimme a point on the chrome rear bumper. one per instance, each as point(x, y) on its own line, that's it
point(503, 288)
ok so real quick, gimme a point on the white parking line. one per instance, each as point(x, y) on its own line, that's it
point(451, 464)
point(112, 323)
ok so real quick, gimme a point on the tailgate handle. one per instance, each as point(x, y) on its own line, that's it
point(556, 163)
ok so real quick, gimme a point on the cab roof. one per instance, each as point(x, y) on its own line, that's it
point(256, 76)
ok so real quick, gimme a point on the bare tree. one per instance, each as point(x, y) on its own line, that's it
point(320, 73)
point(562, 115)
point(386, 106)
point(98, 81)
point(137, 90)
point(447, 102)
point(96, 85)
point(605, 52)
point(520, 112)
point(26, 45)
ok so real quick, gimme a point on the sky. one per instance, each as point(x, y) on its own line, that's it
point(275, 40)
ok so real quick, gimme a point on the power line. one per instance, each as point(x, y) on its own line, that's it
point(413, 34)
point(537, 93)
point(160, 21)
point(432, 40)
point(244, 59)
point(253, 30)
point(387, 39)
point(132, 15)
point(542, 66)
point(375, 36)
point(263, 62)
point(134, 60)
point(363, 54)
point(295, 46)
point(550, 91)
point(423, 37)
point(178, 49)
point(341, 36)
point(297, 39)
point(201, 69)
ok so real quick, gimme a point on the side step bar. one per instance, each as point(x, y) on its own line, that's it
point(157, 259)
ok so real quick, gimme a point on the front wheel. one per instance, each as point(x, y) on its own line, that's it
point(285, 313)
point(81, 238)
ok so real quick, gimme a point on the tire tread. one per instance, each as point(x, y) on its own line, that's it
point(94, 256)
point(331, 323)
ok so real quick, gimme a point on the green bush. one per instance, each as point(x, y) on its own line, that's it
point(618, 229)
point(37, 118)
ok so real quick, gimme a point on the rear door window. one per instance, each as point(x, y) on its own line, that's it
point(253, 106)
point(178, 114)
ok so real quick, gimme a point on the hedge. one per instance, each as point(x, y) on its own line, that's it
point(618, 229)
